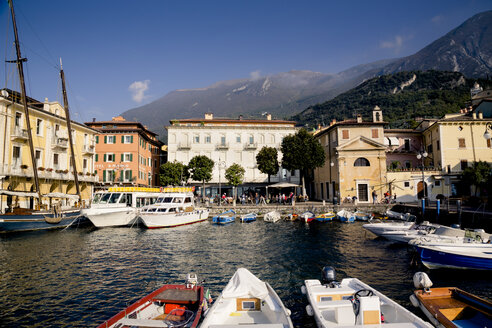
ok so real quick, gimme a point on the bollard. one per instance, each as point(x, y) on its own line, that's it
point(458, 209)
point(423, 207)
point(324, 203)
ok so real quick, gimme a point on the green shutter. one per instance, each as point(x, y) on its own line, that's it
point(97, 139)
point(131, 139)
point(104, 175)
point(130, 175)
point(114, 158)
point(122, 139)
point(104, 157)
point(105, 139)
point(122, 155)
point(131, 157)
point(96, 157)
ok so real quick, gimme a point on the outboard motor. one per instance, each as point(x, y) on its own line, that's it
point(191, 280)
point(329, 275)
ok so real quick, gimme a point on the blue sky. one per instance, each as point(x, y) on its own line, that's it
point(118, 55)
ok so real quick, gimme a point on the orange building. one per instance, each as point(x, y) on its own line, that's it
point(127, 153)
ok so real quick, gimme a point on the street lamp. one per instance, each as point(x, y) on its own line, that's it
point(220, 164)
point(422, 155)
point(486, 135)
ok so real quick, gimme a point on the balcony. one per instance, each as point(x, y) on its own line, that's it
point(223, 145)
point(184, 145)
point(250, 145)
point(59, 143)
point(19, 134)
point(88, 149)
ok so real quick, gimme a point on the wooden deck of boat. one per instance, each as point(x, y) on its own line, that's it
point(178, 295)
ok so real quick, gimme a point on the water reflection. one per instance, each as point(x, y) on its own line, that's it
point(80, 277)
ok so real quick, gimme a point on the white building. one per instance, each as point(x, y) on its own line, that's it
point(227, 141)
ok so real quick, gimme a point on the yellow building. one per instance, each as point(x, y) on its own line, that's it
point(355, 160)
point(51, 151)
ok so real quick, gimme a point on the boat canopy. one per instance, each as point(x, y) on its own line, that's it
point(244, 284)
point(283, 185)
point(61, 195)
point(19, 193)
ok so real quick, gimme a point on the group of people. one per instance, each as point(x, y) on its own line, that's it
point(255, 198)
point(386, 200)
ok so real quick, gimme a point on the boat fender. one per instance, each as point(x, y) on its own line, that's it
point(303, 290)
point(421, 280)
point(309, 310)
point(414, 300)
point(288, 311)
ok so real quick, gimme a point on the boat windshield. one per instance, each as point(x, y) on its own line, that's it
point(178, 200)
point(165, 200)
point(104, 198)
point(96, 199)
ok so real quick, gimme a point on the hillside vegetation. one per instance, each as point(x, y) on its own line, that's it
point(402, 97)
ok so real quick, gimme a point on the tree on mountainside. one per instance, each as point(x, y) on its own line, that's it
point(173, 174)
point(200, 168)
point(267, 161)
point(302, 152)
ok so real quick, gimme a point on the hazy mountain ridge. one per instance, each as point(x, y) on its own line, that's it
point(466, 49)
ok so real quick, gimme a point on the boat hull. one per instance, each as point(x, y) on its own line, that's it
point(19, 223)
point(111, 217)
point(437, 258)
point(249, 218)
point(169, 220)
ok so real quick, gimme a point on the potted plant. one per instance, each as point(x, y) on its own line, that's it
point(65, 171)
point(94, 174)
point(87, 174)
point(41, 168)
point(24, 166)
point(49, 169)
point(58, 171)
point(80, 173)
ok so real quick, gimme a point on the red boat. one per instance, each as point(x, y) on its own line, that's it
point(168, 306)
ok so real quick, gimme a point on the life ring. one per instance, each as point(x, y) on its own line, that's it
point(161, 189)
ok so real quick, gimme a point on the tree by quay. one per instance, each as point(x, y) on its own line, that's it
point(173, 174)
point(477, 175)
point(267, 161)
point(301, 151)
point(234, 175)
point(200, 168)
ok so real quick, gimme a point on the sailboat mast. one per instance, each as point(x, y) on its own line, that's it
point(69, 127)
point(20, 68)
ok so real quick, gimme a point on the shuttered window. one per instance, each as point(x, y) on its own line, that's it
point(345, 134)
point(461, 143)
point(375, 133)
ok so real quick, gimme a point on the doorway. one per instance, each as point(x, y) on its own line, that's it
point(363, 192)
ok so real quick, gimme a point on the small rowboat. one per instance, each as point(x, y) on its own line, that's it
point(272, 216)
point(250, 217)
point(168, 306)
point(329, 216)
point(361, 216)
point(292, 217)
point(247, 302)
point(450, 306)
point(225, 218)
point(346, 216)
point(307, 217)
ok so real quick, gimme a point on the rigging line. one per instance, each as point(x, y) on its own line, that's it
point(6, 46)
point(56, 67)
point(37, 37)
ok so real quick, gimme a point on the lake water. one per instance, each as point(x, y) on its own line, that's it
point(79, 277)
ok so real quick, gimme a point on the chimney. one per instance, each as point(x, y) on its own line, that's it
point(319, 126)
point(46, 105)
point(480, 115)
point(474, 115)
point(359, 118)
point(240, 117)
point(333, 121)
point(209, 116)
point(93, 119)
point(269, 117)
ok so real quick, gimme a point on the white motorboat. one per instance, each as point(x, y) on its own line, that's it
point(379, 227)
point(118, 206)
point(247, 302)
point(352, 303)
point(175, 207)
point(400, 216)
point(405, 235)
point(272, 216)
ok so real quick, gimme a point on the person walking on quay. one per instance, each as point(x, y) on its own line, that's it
point(262, 200)
point(257, 199)
point(374, 197)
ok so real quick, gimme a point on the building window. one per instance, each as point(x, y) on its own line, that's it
point(84, 164)
point(406, 184)
point(18, 118)
point(251, 140)
point(127, 139)
point(16, 153)
point(37, 155)
point(345, 134)
point(109, 139)
point(55, 159)
point(196, 139)
point(222, 140)
point(361, 161)
point(208, 139)
point(438, 145)
point(109, 157)
point(463, 164)
point(128, 175)
point(39, 127)
point(461, 143)
point(238, 139)
point(126, 157)
point(407, 145)
point(375, 133)
point(429, 149)
point(408, 164)
point(489, 143)
point(437, 183)
point(321, 188)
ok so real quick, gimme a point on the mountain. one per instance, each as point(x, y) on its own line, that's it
point(401, 96)
point(466, 49)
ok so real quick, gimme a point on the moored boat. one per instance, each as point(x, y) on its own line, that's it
point(362, 216)
point(346, 216)
point(450, 307)
point(225, 217)
point(247, 302)
point(118, 206)
point(352, 303)
point(250, 217)
point(292, 217)
point(174, 207)
point(379, 227)
point(175, 305)
point(20, 219)
point(328, 216)
point(307, 217)
point(272, 216)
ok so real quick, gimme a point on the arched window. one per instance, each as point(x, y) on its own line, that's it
point(361, 161)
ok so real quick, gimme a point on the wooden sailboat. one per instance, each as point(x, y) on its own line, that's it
point(24, 219)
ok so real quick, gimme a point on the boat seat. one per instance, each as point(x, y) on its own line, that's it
point(370, 310)
point(142, 323)
point(330, 304)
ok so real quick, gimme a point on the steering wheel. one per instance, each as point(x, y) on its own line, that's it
point(363, 293)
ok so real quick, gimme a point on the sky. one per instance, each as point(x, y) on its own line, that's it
point(121, 54)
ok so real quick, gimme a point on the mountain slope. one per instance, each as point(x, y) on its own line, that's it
point(402, 97)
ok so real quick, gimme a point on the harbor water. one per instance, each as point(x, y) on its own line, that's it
point(79, 277)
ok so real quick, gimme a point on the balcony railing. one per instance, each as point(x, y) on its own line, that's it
point(59, 143)
point(19, 134)
point(415, 169)
point(223, 145)
point(184, 145)
point(89, 149)
point(250, 145)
